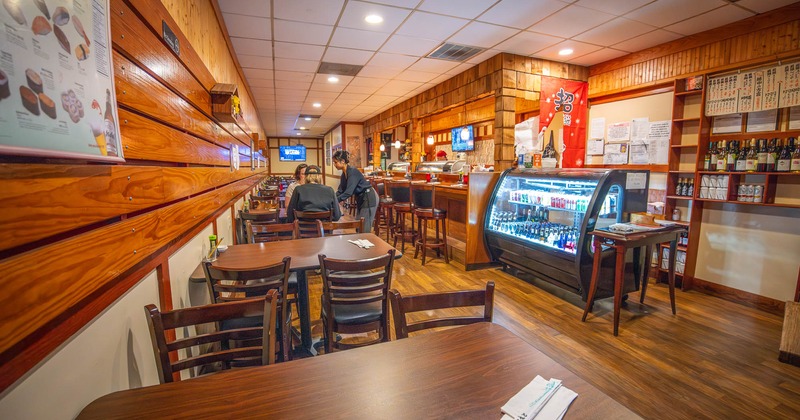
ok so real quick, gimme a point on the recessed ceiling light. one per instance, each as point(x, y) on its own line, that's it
point(333, 79)
point(307, 118)
point(297, 133)
point(302, 128)
point(316, 105)
point(373, 19)
point(566, 51)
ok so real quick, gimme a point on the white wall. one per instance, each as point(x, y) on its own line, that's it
point(111, 353)
point(751, 248)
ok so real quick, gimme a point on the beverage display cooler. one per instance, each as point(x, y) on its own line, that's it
point(538, 222)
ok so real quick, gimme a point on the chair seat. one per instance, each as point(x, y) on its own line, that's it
point(386, 200)
point(355, 314)
point(430, 213)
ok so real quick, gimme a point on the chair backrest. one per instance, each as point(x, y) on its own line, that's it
point(402, 306)
point(329, 228)
point(357, 282)
point(260, 348)
point(400, 191)
point(260, 217)
point(307, 226)
point(270, 232)
point(245, 284)
point(379, 187)
point(422, 196)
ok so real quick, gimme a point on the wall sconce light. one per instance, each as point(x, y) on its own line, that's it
point(382, 148)
point(430, 140)
point(397, 144)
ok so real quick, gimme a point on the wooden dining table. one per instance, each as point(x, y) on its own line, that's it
point(304, 253)
point(463, 372)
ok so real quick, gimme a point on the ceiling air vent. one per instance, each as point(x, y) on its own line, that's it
point(455, 52)
point(339, 69)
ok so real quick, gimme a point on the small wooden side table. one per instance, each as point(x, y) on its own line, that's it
point(621, 242)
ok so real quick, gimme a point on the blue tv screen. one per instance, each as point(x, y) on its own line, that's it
point(292, 154)
point(462, 139)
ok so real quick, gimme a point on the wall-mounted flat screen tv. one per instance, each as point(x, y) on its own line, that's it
point(292, 153)
point(462, 139)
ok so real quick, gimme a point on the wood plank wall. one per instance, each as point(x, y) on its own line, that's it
point(515, 78)
point(79, 234)
point(767, 37)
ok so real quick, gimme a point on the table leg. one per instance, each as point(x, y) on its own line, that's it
point(598, 251)
point(673, 249)
point(637, 267)
point(303, 307)
point(619, 279)
point(646, 277)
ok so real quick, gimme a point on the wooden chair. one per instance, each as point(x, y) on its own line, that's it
point(401, 197)
point(270, 232)
point(383, 217)
point(226, 285)
point(307, 226)
point(260, 348)
point(354, 298)
point(402, 306)
point(328, 228)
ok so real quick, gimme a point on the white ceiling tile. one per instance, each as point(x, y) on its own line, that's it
point(288, 64)
point(715, 18)
point(432, 65)
point(416, 76)
point(520, 14)
point(571, 21)
point(321, 86)
point(288, 94)
point(311, 11)
point(430, 26)
point(293, 75)
point(409, 4)
point(479, 34)
point(399, 87)
point(322, 95)
point(468, 9)
point(527, 43)
point(248, 8)
point(298, 51)
point(392, 60)
point(354, 97)
point(459, 69)
point(292, 84)
point(360, 89)
point(356, 11)
point(247, 26)
point(368, 81)
point(480, 58)
point(347, 56)
point(257, 73)
point(254, 61)
point(614, 31)
point(614, 7)
point(401, 44)
point(761, 6)
point(263, 92)
point(357, 38)
point(323, 78)
point(260, 83)
point(302, 32)
point(657, 37)
point(598, 56)
point(252, 46)
point(579, 49)
point(379, 72)
point(663, 13)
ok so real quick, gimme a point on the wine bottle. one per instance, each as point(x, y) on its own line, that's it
point(772, 155)
point(785, 156)
point(761, 166)
point(794, 166)
point(712, 166)
point(741, 157)
point(707, 158)
point(690, 188)
point(751, 162)
point(722, 158)
point(733, 153)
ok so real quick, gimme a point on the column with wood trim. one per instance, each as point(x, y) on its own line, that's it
point(504, 118)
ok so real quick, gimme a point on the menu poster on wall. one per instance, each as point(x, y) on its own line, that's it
point(619, 132)
point(751, 91)
point(722, 95)
point(790, 86)
point(771, 85)
point(56, 80)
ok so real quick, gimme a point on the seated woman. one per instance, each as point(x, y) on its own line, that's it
point(300, 179)
point(313, 196)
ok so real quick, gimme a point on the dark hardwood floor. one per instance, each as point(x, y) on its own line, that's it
point(714, 359)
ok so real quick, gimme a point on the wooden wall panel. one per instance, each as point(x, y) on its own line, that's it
point(764, 38)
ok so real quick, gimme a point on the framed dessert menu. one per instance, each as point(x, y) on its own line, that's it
point(57, 94)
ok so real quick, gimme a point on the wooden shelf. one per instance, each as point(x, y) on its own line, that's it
point(695, 119)
point(749, 173)
point(651, 168)
point(689, 92)
point(222, 102)
point(749, 203)
point(680, 197)
point(682, 172)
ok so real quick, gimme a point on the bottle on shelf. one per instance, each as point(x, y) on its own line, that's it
point(751, 161)
point(707, 158)
point(679, 187)
point(772, 156)
point(741, 157)
point(794, 166)
point(785, 156)
point(722, 157)
point(713, 152)
point(733, 154)
point(690, 188)
point(761, 165)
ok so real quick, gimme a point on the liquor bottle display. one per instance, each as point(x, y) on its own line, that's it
point(772, 156)
point(733, 155)
point(785, 156)
point(741, 157)
point(722, 158)
point(761, 164)
point(707, 158)
point(751, 161)
point(794, 166)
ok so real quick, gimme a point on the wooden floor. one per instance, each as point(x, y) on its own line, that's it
point(714, 359)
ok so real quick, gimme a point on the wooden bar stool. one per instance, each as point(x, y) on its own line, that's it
point(401, 197)
point(424, 210)
point(383, 218)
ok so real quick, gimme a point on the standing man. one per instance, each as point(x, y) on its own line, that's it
point(353, 183)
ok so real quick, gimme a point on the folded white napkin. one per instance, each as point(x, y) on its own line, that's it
point(539, 399)
point(361, 243)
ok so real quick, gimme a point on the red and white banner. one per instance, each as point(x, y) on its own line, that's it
point(562, 114)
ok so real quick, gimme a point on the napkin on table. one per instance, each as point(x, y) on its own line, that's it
point(539, 399)
point(362, 243)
